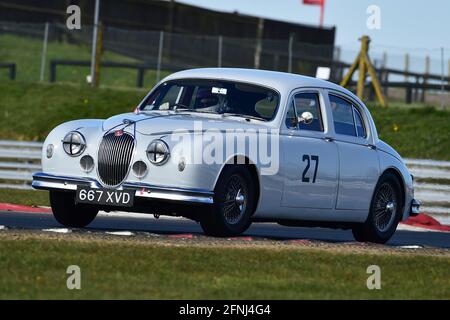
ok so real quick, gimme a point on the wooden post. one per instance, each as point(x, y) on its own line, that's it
point(406, 67)
point(425, 78)
point(416, 90)
point(140, 77)
point(408, 93)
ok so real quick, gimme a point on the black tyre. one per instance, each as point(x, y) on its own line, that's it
point(385, 212)
point(234, 203)
point(69, 214)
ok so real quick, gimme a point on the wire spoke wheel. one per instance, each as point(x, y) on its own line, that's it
point(385, 207)
point(235, 203)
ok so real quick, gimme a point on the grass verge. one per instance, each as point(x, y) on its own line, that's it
point(35, 268)
point(24, 197)
point(29, 111)
point(415, 132)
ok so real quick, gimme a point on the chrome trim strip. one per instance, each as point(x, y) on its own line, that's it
point(140, 186)
point(175, 196)
point(45, 181)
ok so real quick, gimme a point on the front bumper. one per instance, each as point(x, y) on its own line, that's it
point(415, 207)
point(45, 181)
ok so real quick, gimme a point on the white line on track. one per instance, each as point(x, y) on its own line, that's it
point(136, 215)
point(58, 230)
point(411, 247)
point(120, 233)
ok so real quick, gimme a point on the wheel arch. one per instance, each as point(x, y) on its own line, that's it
point(254, 172)
point(400, 179)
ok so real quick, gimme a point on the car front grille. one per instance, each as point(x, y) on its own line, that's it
point(114, 157)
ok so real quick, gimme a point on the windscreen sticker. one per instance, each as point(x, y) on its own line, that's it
point(217, 90)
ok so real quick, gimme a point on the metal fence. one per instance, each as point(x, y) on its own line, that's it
point(18, 160)
point(167, 52)
point(33, 47)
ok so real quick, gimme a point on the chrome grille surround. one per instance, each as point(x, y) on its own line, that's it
point(114, 158)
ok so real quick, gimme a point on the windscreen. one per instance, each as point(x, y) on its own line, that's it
point(220, 97)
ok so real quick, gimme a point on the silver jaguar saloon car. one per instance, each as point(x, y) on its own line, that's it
point(228, 147)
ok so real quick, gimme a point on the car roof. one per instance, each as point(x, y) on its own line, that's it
point(281, 81)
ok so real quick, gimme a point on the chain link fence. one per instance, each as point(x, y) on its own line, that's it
point(161, 52)
point(133, 57)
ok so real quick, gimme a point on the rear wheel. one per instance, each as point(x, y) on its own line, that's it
point(69, 214)
point(385, 212)
point(234, 203)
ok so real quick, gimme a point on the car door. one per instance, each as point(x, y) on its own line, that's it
point(358, 158)
point(309, 160)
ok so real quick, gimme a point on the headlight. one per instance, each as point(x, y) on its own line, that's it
point(158, 152)
point(74, 143)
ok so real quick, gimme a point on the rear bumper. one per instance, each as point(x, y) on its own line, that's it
point(415, 207)
point(43, 181)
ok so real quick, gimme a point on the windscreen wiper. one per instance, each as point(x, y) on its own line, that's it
point(193, 110)
point(182, 107)
point(246, 117)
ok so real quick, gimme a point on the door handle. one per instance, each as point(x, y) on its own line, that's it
point(328, 139)
point(372, 146)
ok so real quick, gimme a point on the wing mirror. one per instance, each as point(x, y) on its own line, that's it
point(306, 118)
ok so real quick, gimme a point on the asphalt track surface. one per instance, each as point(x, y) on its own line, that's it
point(146, 223)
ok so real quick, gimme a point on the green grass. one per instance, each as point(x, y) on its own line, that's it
point(36, 269)
point(26, 53)
point(28, 111)
point(415, 132)
point(24, 197)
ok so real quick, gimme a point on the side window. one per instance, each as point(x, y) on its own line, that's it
point(359, 124)
point(290, 117)
point(342, 116)
point(309, 102)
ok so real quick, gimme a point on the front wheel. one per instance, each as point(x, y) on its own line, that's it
point(385, 212)
point(69, 214)
point(234, 203)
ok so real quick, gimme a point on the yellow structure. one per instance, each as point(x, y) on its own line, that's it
point(364, 65)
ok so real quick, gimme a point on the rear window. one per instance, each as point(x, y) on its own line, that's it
point(342, 116)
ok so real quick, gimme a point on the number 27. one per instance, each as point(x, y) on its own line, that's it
point(308, 158)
